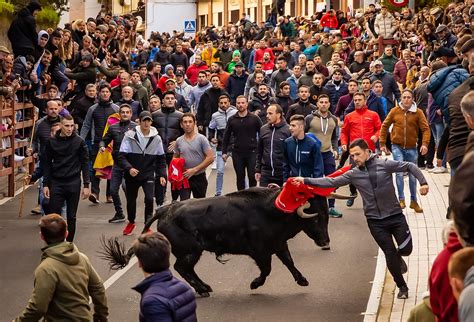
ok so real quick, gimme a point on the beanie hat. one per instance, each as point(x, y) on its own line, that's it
point(236, 53)
point(168, 67)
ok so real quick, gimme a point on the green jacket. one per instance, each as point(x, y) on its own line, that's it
point(64, 280)
point(388, 62)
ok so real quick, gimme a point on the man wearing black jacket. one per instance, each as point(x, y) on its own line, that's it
point(166, 121)
point(94, 123)
point(208, 104)
point(65, 157)
point(244, 127)
point(270, 156)
point(115, 134)
point(303, 106)
point(80, 106)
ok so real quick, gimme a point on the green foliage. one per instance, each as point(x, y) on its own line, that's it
point(58, 5)
point(48, 16)
point(6, 8)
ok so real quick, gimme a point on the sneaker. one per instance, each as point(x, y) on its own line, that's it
point(326, 247)
point(93, 198)
point(128, 229)
point(402, 293)
point(36, 210)
point(402, 204)
point(117, 218)
point(415, 206)
point(110, 199)
point(350, 202)
point(439, 170)
point(334, 213)
point(430, 167)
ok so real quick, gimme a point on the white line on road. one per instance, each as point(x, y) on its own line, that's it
point(115, 277)
point(112, 279)
point(371, 311)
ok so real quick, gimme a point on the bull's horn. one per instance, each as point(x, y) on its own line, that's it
point(273, 186)
point(334, 195)
point(302, 214)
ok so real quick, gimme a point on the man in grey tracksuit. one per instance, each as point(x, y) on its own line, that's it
point(216, 132)
point(373, 178)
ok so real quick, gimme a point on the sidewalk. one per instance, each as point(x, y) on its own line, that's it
point(426, 232)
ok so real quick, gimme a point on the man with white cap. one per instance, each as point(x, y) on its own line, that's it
point(391, 91)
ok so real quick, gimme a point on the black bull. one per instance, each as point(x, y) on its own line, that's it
point(241, 223)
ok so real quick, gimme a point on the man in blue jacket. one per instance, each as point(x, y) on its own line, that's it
point(302, 158)
point(164, 297)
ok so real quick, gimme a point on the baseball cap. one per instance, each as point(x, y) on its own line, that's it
point(239, 64)
point(170, 80)
point(378, 62)
point(4, 50)
point(145, 115)
point(441, 28)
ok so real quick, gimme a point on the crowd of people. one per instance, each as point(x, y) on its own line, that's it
point(290, 97)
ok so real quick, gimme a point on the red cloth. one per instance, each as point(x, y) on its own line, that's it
point(162, 82)
point(361, 124)
point(175, 174)
point(294, 195)
point(443, 303)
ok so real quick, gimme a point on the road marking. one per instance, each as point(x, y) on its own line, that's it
point(371, 311)
point(115, 277)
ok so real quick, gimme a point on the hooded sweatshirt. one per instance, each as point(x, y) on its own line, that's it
point(144, 153)
point(64, 280)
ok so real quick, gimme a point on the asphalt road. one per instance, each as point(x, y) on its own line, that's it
point(339, 279)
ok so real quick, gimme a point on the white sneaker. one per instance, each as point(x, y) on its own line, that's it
point(214, 166)
point(439, 170)
point(19, 158)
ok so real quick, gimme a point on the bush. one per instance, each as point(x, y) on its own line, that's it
point(48, 16)
point(6, 8)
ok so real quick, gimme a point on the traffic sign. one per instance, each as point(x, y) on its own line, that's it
point(190, 26)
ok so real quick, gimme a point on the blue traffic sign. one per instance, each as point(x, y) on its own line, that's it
point(190, 26)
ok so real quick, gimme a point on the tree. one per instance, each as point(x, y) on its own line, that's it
point(59, 5)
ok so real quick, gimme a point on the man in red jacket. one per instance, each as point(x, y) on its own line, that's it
point(329, 21)
point(194, 69)
point(262, 50)
point(360, 124)
point(443, 303)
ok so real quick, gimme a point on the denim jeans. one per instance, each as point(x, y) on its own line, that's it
point(115, 183)
point(437, 130)
point(220, 173)
point(408, 155)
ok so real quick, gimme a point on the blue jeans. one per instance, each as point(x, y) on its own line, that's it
point(329, 167)
point(408, 155)
point(220, 172)
point(437, 130)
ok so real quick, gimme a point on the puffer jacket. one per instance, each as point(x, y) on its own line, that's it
point(259, 103)
point(385, 25)
point(335, 92)
point(96, 118)
point(270, 152)
point(443, 82)
point(218, 124)
point(391, 91)
point(236, 85)
point(165, 298)
point(166, 121)
point(361, 124)
point(380, 200)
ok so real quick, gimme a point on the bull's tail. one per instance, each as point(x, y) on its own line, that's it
point(158, 214)
point(114, 252)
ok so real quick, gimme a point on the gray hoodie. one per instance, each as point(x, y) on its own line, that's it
point(466, 301)
point(375, 183)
